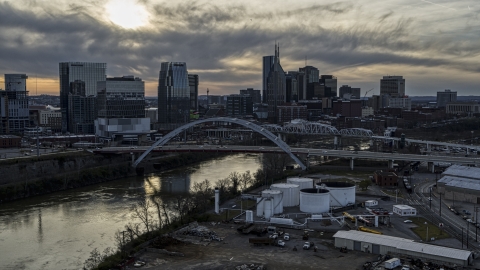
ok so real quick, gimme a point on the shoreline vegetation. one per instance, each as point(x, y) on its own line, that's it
point(71, 178)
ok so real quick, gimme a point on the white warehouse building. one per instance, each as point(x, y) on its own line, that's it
point(404, 210)
point(384, 244)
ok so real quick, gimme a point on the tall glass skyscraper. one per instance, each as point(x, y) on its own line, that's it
point(16, 113)
point(173, 95)
point(89, 73)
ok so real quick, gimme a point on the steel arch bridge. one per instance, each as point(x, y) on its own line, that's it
point(300, 126)
point(241, 122)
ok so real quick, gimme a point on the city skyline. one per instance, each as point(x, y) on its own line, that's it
point(434, 45)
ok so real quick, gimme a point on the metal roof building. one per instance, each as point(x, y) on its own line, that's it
point(384, 244)
point(460, 183)
point(462, 171)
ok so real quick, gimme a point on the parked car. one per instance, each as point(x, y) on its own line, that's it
point(286, 237)
point(280, 243)
point(407, 221)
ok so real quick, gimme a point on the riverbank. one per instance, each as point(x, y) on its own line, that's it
point(23, 178)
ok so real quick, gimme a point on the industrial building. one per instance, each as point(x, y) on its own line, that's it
point(404, 210)
point(460, 183)
point(396, 246)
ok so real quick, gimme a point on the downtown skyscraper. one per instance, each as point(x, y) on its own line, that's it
point(274, 82)
point(78, 73)
point(175, 99)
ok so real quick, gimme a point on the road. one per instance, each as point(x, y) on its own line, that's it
point(297, 151)
point(452, 224)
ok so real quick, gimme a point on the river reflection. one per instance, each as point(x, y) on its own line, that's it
point(58, 231)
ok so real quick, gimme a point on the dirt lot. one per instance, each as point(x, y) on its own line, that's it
point(235, 250)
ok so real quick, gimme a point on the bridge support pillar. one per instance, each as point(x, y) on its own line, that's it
point(371, 143)
point(468, 150)
point(390, 164)
point(351, 164)
point(431, 167)
point(448, 150)
point(337, 140)
point(428, 147)
point(133, 157)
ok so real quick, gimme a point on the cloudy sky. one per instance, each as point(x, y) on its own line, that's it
point(434, 44)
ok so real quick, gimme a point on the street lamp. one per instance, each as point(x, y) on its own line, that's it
point(426, 238)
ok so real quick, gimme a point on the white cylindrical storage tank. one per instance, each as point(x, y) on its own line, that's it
point(268, 208)
point(249, 216)
point(302, 182)
point(260, 203)
point(290, 192)
point(277, 200)
point(341, 193)
point(314, 200)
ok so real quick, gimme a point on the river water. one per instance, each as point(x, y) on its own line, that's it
point(58, 231)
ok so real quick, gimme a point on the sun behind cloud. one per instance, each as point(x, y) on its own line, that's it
point(127, 13)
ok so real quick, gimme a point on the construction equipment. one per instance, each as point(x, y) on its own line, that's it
point(347, 215)
point(305, 235)
point(367, 93)
point(363, 229)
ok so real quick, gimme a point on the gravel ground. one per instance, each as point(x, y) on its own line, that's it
point(235, 250)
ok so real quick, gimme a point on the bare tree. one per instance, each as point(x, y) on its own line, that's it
point(245, 180)
point(141, 210)
point(202, 193)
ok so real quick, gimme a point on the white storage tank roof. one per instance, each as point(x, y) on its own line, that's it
point(277, 202)
point(290, 192)
point(302, 182)
point(314, 200)
point(341, 193)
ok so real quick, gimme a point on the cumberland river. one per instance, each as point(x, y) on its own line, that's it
point(59, 231)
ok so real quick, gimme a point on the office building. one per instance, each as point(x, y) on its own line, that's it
point(393, 86)
point(14, 104)
point(405, 103)
point(291, 111)
point(239, 105)
point(291, 88)
point(301, 85)
point(255, 94)
point(459, 108)
point(121, 107)
point(88, 73)
point(312, 85)
point(81, 109)
point(345, 89)
point(50, 118)
point(276, 86)
point(173, 95)
point(193, 85)
point(268, 62)
point(330, 83)
point(347, 108)
point(445, 97)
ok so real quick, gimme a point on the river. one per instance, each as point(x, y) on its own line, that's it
point(59, 230)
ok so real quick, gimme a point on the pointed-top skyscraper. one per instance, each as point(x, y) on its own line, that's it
point(274, 83)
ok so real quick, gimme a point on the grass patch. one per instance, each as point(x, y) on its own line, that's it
point(433, 229)
point(392, 193)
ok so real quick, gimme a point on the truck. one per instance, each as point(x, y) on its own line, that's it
point(392, 263)
point(261, 241)
point(307, 245)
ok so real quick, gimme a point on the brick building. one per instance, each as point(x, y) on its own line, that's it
point(385, 179)
point(10, 141)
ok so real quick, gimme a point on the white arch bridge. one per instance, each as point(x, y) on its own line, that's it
point(265, 132)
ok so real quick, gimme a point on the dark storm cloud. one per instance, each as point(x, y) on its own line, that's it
point(224, 38)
